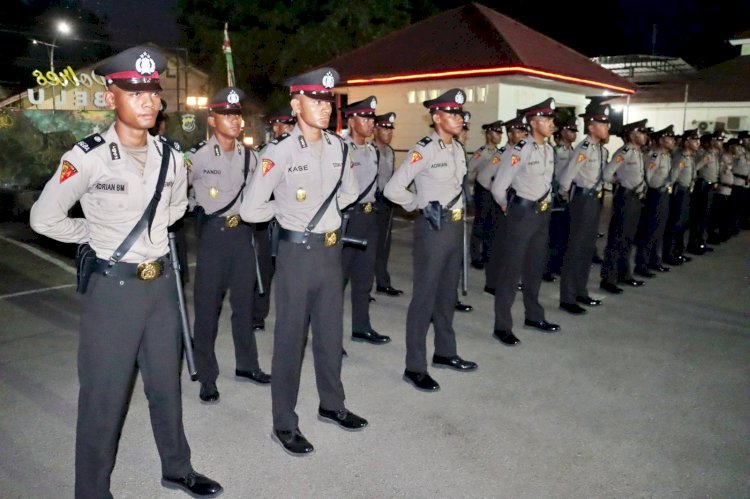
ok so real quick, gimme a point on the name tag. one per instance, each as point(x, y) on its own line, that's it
point(212, 172)
point(438, 165)
point(299, 168)
point(113, 187)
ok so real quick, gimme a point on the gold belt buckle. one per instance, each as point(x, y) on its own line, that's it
point(599, 194)
point(232, 222)
point(669, 189)
point(330, 239)
point(148, 271)
point(367, 208)
point(543, 206)
point(457, 215)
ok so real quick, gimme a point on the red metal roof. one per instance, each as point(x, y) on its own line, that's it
point(472, 40)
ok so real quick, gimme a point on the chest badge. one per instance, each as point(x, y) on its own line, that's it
point(213, 192)
point(301, 194)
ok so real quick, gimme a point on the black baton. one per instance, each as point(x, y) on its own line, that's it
point(187, 340)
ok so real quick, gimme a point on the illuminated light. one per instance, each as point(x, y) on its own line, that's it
point(202, 101)
point(487, 71)
point(248, 141)
point(191, 100)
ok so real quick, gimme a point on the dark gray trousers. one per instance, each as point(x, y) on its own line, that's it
point(308, 293)
point(700, 212)
point(437, 265)
point(650, 234)
point(127, 325)
point(359, 265)
point(384, 216)
point(225, 263)
point(626, 212)
point(677, 222)
point(584, 226)
point(262, 302)
point(523, 254)
point(497, 236)
point(485, 214)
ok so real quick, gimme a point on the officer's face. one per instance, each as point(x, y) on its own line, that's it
point(312, 112)
point(693, 144)
point(384, 135)
point(362, 125)
point(542, 125)
point(515, 135)
point(227, 125)
point(449, 123)
point(599, 131)
point(569, 135)
point(495, 136)
point(638, 138)
point(667, 143)
point(280, 128)
point(135, 109)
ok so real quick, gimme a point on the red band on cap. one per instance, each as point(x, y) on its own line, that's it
point(445, 105)
point(362, 111)
point(540, 112)
point(225, 105)
point(309, 88)
point(132, 75)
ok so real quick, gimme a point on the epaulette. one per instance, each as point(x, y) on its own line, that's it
point(197, 146)
point(279, 138)
point(585, 144)
point(654, 155)
point(90, 143)
point(625, 148)
point(502, 149)
point(424, 141)
point(520, 145)
point(171, 143)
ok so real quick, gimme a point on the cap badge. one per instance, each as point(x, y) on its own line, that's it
point(552, 105)
point(145, 65)
point(233, 98)
point(606, 111)
point(373, 103)
point(328, 80)
point(459, 98)
point(391, 118)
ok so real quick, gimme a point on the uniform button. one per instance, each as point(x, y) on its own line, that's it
point(122, 283)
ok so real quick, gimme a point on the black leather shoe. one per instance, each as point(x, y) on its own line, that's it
point(519, 287)
point(660, 268)
point(643, 272)
point(293, 442)
point(685, 258)
point(209, 393)
point(673, 261)
point(255, 375)
point(345, 419)
point(454, 362)
point(195, 484)
point(463, 307)
point(507, 338)
point(697, 250)
point(610, 288)
point(587, 300)
point(370, 298)
point(370, 336)
point(389, 290)
point(573, 308)
point(631, 282)
point(549, 277)
point(489, 290)
point(545, 326)
point(477, 264)
point(421, 381)
point(708, 248)
point(259, 325)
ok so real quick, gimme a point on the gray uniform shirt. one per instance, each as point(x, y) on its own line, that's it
point(365, 168)
point(528, 168)
point(437, 169)
point(300, 176)
point(710, 170)
point(741, 167)
point(488, 168)
point(217, 175)
point(683, 168)
point(658, 167)
point(626, 169)
point(562, 158)
point(385, 166)
point(726, 176)
point(584, 167)
point(114, 195)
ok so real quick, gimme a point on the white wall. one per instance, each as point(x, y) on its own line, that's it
point(662, 115)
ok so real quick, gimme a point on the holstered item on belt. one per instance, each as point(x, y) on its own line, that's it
point(232, 221)
point(433, 212)
point(85, 265)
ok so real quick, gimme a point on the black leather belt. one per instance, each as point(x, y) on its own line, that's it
point(591, 191)
point(743, 177)
point(144, 271)
point(451, 215)
point(632, 192)
point(727, 185)
point(538, 206)
point(327, 239)
point(230, 222)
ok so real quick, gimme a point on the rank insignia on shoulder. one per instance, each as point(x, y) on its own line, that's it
point(67, 170)
point(625, 148)
point(217, 150)
point(197, 146)
point(171, 143)
point(424, 141)
point(302, 141)
point(266, 165)
point(187, 162)
point(279, 138)
point(415, 156)
point(585, 144)
point(581, 157)
point(514, 160)
point(502, 149)
point(441, 143)
point(114, 151)
point(520, 145)
point(91, 142)
point(328, 139)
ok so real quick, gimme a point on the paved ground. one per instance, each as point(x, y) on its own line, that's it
point(646, 396)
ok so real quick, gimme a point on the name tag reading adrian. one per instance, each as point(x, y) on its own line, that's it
point(113, 187)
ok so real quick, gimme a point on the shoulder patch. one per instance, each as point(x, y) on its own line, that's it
point(279, 138)
point(585, 144)
point(327, 136)
point(625, 148)
point(424, 141)
point(90, 143)
point(171, 143)
point(520, 145)
point(197, 146)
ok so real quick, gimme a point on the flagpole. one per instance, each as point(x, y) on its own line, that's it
point(227, 49)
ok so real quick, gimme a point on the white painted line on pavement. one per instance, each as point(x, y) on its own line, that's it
point(33, 291)
point(41, 254)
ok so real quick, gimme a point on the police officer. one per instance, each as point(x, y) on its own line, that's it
point(359, 262)
point(482, 167)
point(625, 170)
point(463, 138)
point(383, 135)
point(721, 221)
point(306, 170)
point(683, 173)
point(581, 184)
point(437, 166)
point(527, 168)
point(707, 165)
point(129, 312)
point(226, 260)
point(516, 130)
point(742, 172)
point(281, 122)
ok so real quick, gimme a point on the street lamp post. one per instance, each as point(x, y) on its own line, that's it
point(61, 28)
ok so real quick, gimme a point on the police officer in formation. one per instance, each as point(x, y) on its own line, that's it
point(721, 221)
point(359, 261)
point(463, 138)
point(581, 184)
point(309, 172)
point(383, 135)
point(658, 168)
point(707, 165)
point(129, 313)
point(281, 122)
point(527, 169)
point(437, 166)
point(742, 180)
point(482, 168)
point(626, 172)
point(219, 173)
point(683, 173)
